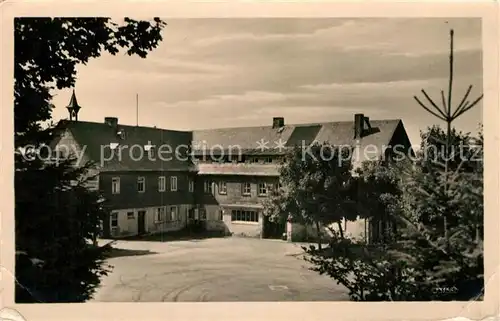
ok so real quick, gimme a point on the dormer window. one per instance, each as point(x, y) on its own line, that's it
point(149, 149)
point(121, 133)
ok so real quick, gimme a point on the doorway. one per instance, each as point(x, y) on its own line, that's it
point(141, 222)
point(272, 230)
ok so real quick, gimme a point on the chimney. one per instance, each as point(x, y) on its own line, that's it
point(359, 122)
point(278, 122)
point(367, 122)
point(111, 121)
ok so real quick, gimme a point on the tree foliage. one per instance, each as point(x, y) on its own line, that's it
point(437, 204)
point(317, 188)
point(417, 263)
point(57, 221)
point(56, 215)
point(455, 260)
point(47, 51)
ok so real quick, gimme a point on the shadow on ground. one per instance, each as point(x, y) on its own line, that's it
point(115, 252)
point(182, 235)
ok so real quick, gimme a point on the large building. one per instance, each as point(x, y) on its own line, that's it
point(158, 180)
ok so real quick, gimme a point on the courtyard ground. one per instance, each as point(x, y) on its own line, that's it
point(217, 269)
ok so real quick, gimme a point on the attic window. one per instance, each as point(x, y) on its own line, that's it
point(149, 147)
point(121, 134)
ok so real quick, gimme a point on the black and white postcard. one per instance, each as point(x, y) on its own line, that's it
point(273, 161)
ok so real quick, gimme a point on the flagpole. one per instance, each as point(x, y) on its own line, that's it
point(137, 109)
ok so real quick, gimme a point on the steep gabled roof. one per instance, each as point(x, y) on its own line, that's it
point(96, 139)
point(251, 138)
point(246, 138)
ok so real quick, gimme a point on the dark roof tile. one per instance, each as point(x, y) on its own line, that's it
point(250, 139)
point(96, 138)
point(131, 155)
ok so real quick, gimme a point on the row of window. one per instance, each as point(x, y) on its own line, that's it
point(171, 214)
point(244, 216)
point(241, 159)
point(141, 184)
point(263, 189)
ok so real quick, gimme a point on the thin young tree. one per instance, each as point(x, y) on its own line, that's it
point(446, 113)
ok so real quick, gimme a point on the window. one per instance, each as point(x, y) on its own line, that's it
point(381, 230)
point(151, 153)
point(244, 216)
point(115, 185)
point(173, 183)
point(191, 186)
point(203, 214)
point(130, 215)
point(161, 184)
point(141, 184)
point(93, 184)
point(246, 189)
point(172, 213)
point(114, 220)
point(255, 160)
point(160, 214)
point(222, 188)
point(101, 228)
point(208, 187)
point(149, 148)
point(191, 214)
point(268, 160)
point(221, 215)
point(262, 189)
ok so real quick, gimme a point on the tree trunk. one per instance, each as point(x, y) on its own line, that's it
point(318, 235)
point(340, 229)
point(446, 173)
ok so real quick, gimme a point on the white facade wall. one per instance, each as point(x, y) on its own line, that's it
point(129, 226)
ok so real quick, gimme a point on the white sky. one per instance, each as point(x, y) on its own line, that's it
point(242, 72)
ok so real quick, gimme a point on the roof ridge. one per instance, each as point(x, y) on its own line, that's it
point(126, 126)
point(228, 128)
point(296, 124)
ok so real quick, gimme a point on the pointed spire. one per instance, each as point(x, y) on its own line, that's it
point(73, 107)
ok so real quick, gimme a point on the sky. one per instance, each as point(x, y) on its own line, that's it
point(209, 73)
